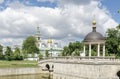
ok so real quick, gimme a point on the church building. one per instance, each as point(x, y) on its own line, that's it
point(52, 47)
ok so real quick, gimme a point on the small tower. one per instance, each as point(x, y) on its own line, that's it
point(38, 37)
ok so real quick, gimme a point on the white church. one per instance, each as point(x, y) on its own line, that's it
point(53, 47)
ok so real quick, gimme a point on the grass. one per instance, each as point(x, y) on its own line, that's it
point(17, 64)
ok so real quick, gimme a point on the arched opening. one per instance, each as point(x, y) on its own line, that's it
point(52, 66)
point(118, 74)
point(47, 66)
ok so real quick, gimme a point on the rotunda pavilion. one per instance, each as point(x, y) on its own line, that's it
point(94, 38)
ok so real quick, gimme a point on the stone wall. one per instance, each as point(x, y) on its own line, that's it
point(85, 71)
point(19, 71)
point(82, 68)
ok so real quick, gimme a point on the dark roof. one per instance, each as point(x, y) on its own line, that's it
point(93, 36)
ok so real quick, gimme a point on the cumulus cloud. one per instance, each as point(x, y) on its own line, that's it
point(70, 21)
point(74, 2)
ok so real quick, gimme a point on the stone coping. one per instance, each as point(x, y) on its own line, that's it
point(79, 57)
point(88, 62)
point(84, 60)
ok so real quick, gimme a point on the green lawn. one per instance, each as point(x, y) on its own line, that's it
point(17, 64)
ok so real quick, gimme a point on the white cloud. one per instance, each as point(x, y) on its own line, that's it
point(73, 17)
point(1, 1)
point(74, 2)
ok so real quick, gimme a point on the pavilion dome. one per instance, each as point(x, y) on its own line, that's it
point(93, 36)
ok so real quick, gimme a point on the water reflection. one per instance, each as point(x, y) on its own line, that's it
point(37, 76)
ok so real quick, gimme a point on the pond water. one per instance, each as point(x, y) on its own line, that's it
point(36, 76)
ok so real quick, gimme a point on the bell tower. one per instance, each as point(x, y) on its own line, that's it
point(38, 37)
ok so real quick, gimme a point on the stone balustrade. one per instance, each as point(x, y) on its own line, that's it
point(78, 59)
point(83, 67)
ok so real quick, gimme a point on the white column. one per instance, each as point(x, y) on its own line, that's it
point(89, 50)
point(103, 50)
point(98, 50)
point(84, 50)
point(40, 45)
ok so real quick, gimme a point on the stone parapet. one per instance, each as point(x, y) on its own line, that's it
point(83, 67)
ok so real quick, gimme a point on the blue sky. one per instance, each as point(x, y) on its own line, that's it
point(113, 6)
point(31, 3)
point(60, 20)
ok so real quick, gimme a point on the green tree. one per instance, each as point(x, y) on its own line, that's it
point(17, 55)
point(113, 41)
point(29, 46)
point(1, 52)
point(8, 53)
point(65, 51)
point(40, 56)
point(46, 53)
point(76, 52)
point(72, 49)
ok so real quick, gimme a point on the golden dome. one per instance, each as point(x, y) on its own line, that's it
point(49, 41)
point(94, 22)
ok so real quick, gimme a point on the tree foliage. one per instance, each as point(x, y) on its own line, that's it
point(17, 55)
point(46, 53)
point(29, 46)
point(1, 52)
point(113, 41)
point(72, 49)
point(8, 53)
point(40, 56)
